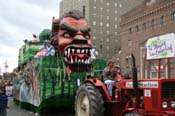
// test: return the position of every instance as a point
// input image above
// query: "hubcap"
(83, 105)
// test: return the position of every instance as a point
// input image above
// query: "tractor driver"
(109, 74)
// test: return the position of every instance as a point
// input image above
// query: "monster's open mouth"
(77, 56)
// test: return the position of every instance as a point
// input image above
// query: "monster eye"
(87, 36)
(66, 35)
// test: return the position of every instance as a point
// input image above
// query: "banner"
(161, 46)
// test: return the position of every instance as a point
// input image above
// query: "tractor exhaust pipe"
(134, 73)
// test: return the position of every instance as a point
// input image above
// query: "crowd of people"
(3, 96)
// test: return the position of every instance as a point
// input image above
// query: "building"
(67, 5)
(104, 18)
(151, 18)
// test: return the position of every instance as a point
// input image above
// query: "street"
(15, 110)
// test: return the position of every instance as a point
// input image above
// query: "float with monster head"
(44, 83)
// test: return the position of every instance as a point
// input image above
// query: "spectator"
(109, 76)
(35, 38)
(50, 50)
(3, 102)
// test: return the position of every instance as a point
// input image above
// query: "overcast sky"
(19, 19)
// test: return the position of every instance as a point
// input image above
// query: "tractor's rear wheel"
(89, 101)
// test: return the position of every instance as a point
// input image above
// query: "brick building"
(151, 18)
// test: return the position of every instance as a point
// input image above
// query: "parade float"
(44, 83)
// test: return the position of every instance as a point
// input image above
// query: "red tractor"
(131, 96)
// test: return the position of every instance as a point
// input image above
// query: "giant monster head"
(74, 42)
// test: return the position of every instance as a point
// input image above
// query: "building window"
(130, 30)
(144, 26)
(107, 39)
(120, 5)
(101, 8)
(152, 23)
(107, 25)
(101, 31)
(95, 7)
(115, 33)
(107, 4)
(137, 28)
(128, 61)
(107, 47)
(115, 18)
(162, 20)
(107, 17)
(107, 32)
(115, 26)
(115, 11)
(115, 4)
(94, 23)
(101, 24)
(94, 15)
(94, 38)
(173, 16)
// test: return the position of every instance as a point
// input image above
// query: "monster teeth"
(76, 59)
(82, 60)
(79, 60)
(86, 51)
(65, 53)
(73, 50)
(68, 52)
(71, 60)
(88, 61)
(78, 50)
(82, 51)
(65, 59)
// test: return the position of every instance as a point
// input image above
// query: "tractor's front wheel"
(89, 101)
(131, 114)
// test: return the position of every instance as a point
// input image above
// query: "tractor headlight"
(173, 104)
(164, 104)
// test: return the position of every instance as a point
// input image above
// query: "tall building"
(104, 18)
(151, 18)
(82, 5)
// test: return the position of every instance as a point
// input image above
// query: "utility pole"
(84, 10)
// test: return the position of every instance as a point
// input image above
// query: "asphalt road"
(15, 110)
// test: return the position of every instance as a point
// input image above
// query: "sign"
(147, 93)
(161, 46)
(146, 84)
(9, 90)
